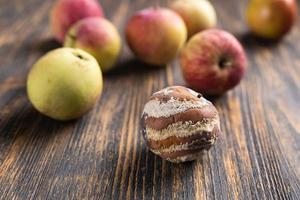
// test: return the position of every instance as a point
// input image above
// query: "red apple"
(156, 35)
(213, 61)
(97, 36)
(67, 12)
(271, 19)
(198, 15)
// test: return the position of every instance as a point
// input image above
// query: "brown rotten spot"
(176, 156)
(203, 136)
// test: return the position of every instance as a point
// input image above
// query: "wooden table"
(103, 156)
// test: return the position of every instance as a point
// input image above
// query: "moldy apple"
(178, 123)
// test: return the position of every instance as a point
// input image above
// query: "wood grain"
(103, 156)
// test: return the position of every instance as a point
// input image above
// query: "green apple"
(65, 83)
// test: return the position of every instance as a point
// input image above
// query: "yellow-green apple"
(156, 35)
(98, 37)
(213, 61)
(67, 12)
(198, 15)
(65, 83)
(271, 19)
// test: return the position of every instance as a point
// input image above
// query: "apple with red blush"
(67, 12)
(271, 19)
(213, 62)
(198, 15)
(97, 36)
(156, 35)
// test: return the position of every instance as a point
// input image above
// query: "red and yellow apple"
(98, 37)
(213, 61)
(198, 15)
(156, 35)
(67, 12)
(271, 19)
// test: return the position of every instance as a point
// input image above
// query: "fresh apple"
(156, 35)
(213, 61)
(65, 83)
(198, 15)
(271, 19)
(98, 37)
(67, 12)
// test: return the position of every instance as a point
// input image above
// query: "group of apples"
(66, 82)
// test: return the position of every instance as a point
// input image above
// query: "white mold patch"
(183, 129)
(157, 109)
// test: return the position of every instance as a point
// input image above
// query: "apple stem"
(79, 56)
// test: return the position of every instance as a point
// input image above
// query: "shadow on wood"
(132, 66)
(251, 41)
(28, 119)
(154, 172)
(46, 45)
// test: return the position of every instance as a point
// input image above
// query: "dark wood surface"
(103, 156)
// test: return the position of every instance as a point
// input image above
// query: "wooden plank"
(103, 156)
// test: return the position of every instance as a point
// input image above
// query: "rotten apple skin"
(271, 19)
(67, 12)
(65, 83)
(213, 61)
(156, 35)
(98, 37)
(197, 15)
